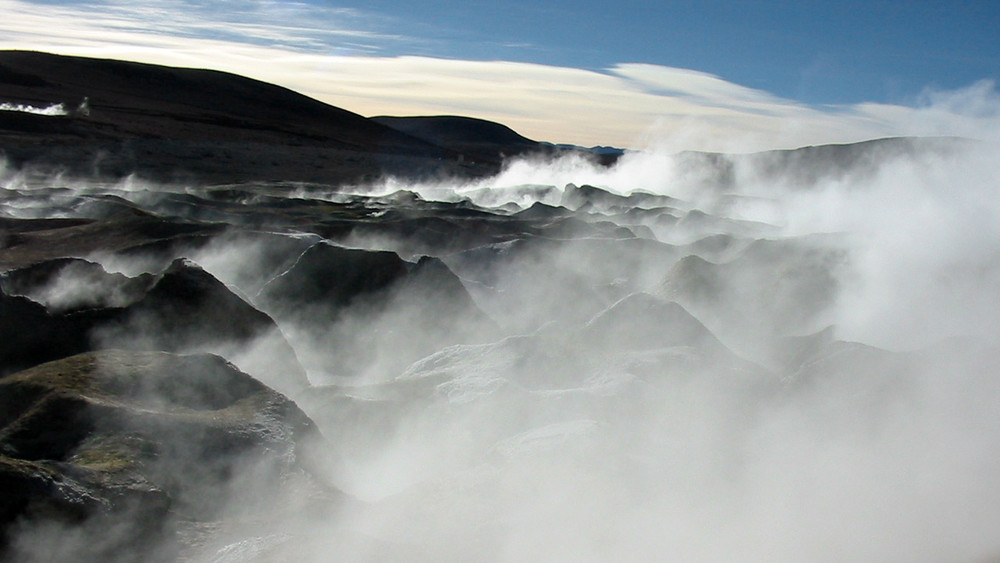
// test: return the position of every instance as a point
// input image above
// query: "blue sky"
(736, 75)
(813, 51)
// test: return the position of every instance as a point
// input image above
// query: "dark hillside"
(162, 121)
(485, 140)
(457, 132)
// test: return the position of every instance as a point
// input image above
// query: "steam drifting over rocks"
(781, 356)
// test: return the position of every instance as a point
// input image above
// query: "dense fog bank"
(781, 356)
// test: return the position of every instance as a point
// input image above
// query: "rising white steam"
(775, 357)
(550, 445)
(51, 110)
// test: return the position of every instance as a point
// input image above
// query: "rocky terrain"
(207, 355)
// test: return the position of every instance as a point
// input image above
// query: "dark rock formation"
(326, 275)
(182, 309)
(128, 443)
(29, 335)
(368, 308)
(641, 321)
(66, 284)
(30, 241)
(588, 198)
(775, 286)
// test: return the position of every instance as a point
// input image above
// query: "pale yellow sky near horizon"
(630, 105)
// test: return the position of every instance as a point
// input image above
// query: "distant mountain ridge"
(213, 126)
(446, 130)
(203, 126)
(487, 140)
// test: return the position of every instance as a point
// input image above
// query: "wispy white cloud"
(336, 55)
(292, 25)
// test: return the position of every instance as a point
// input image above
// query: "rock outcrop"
(128, 444)
(70, 306)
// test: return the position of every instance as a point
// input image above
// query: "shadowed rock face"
(28, 241)
(641, 321)
(327, 275)
(125, 442)
(66, 284)
(770, 287)
(187, 303)
(29, 335)
(73, 306)
(392, 311)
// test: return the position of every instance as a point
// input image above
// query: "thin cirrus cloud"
(293, 25)
(340, 56)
